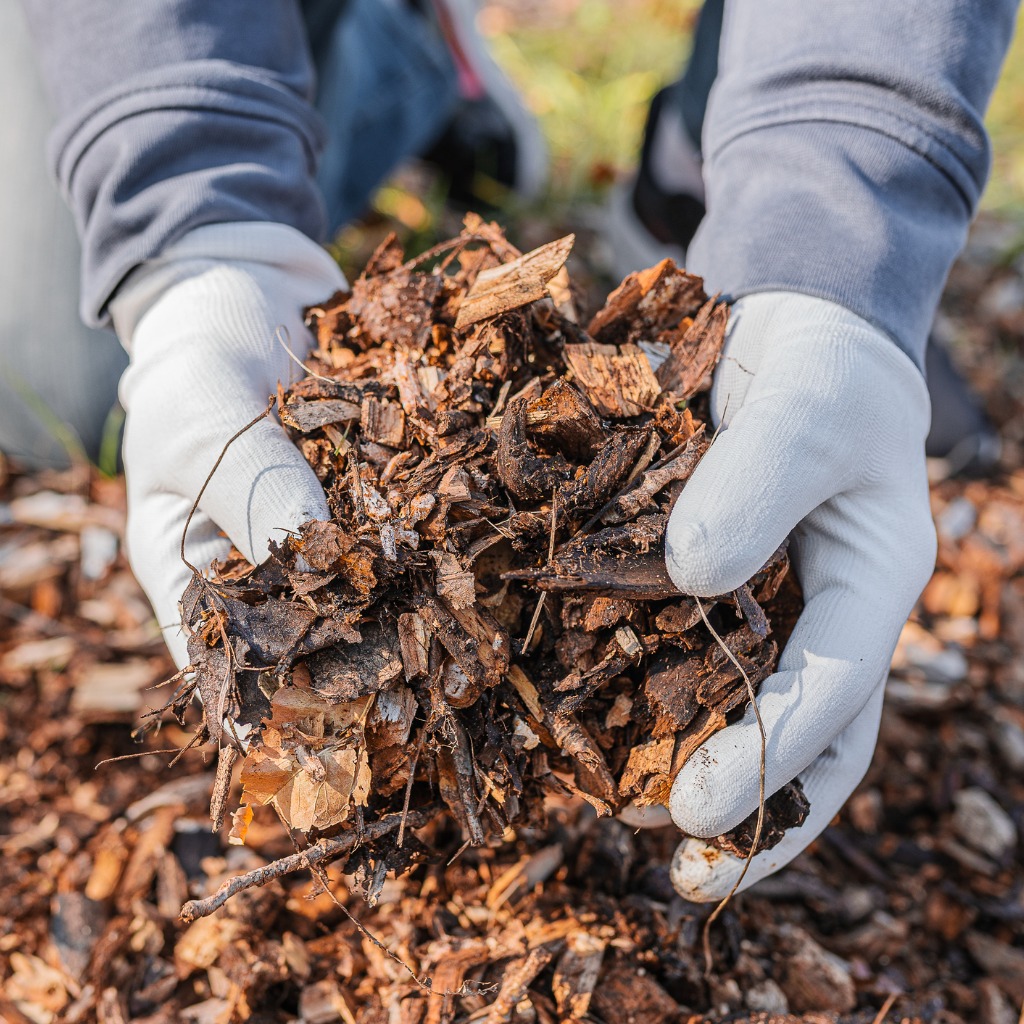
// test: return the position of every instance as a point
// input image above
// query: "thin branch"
(282, 337)
(180, 674)
(760, 797)
(551, 555)
(324, 881)
(888, 1005)
(455, 244)
(132, 757)
(318, 853)
(408, 786)
(198, 737)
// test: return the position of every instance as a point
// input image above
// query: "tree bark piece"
(513, 284)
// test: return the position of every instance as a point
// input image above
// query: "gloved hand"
(199, 324)
(824, 424)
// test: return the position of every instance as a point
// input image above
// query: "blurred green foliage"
(1005, 193)
(589, 67)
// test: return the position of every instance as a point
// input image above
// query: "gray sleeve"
(172, 114)
(845, 152)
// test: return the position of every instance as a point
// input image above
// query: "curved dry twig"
(318, 853)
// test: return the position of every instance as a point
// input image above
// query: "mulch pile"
(486, 619)
(916, 892)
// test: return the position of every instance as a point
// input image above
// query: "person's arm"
(172, 114)
(844, 159)
(186, 146)
(845, 154)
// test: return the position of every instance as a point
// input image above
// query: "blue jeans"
(387, 88)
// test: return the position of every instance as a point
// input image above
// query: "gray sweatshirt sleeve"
(845, 152)
(172, 114)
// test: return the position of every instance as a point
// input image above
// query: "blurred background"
(588, 69)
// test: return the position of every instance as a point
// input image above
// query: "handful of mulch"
(486, 618)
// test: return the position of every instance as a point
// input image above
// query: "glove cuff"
(303, 271)
(764, 324)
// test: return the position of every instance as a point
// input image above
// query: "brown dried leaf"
(241, 819)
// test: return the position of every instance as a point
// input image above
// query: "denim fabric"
(386, 91)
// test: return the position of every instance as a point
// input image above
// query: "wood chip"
(513, 284)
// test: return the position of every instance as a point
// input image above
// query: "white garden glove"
(824, 425)
(200, 324)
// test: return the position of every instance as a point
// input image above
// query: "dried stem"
(408, 787)
(133, 757)
(318, 853)
(324, 881)
(282, 337)
(551, 555)
(888, 1005)
(760, 796)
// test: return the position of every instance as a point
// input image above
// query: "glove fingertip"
(695, 802)
(701, 560)
(701, 873)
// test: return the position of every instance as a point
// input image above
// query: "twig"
(324, 881)
(318, 853)
(220, 458)
(551, 555)
(409, 785)
(887, 1006)
(280, 336)
(180, 674)
(708, 961)
(458, 853)
(132, 757)
(721, 422)
(197, 737)
(454, 244)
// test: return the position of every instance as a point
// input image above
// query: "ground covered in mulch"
(912, 902)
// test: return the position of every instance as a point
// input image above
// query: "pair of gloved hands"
(824, 424)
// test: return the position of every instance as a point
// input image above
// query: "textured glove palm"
(200, 324)
(824, 424)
